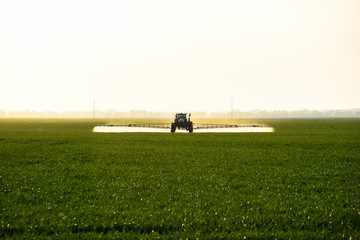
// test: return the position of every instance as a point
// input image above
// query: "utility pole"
(232, 108)
(94, 108)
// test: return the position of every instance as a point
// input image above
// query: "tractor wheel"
(173, 127)
(191, 129)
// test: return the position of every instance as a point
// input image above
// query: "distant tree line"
(304, 113)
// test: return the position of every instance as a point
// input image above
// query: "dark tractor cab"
(182, 122)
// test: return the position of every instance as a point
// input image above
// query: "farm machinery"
(181, 122)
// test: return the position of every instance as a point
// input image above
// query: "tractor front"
(181, 122)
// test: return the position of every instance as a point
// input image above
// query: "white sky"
(179, 55)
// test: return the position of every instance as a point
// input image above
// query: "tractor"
(181, 122)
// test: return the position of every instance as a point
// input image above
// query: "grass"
(60, 180)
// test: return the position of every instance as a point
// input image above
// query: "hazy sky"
(179, 55)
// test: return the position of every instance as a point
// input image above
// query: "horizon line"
(166, 111)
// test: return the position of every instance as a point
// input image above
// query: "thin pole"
(94, 108)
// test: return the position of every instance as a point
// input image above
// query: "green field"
(60, 180)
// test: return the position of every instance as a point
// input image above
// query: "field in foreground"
(60, 180)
